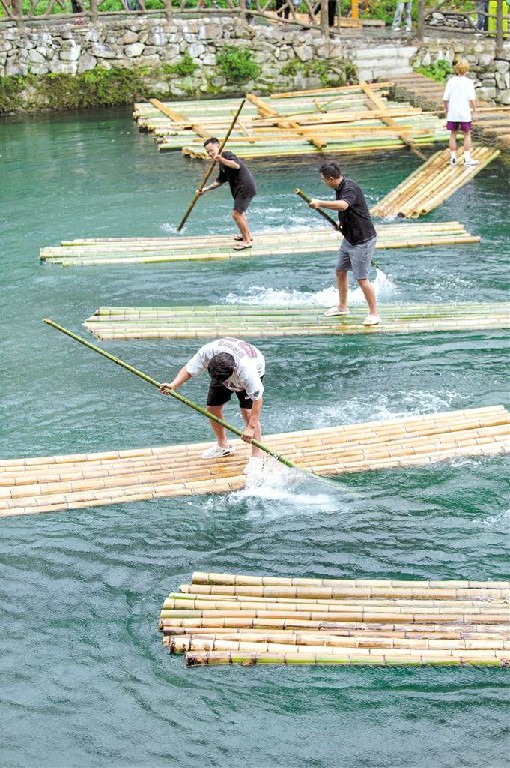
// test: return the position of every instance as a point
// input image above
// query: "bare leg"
(242, 222)
(219, 431)
(452, 143)
(342, 282)
(246, 413)
(467, 141)
(369, 294)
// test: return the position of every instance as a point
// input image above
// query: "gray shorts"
(356, 258)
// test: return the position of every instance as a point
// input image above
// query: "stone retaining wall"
(287, 58)
(491, 76)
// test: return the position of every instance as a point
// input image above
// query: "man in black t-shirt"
(242, 187)
(358, 244)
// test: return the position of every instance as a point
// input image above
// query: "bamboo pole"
(210, 169)
(186, 401)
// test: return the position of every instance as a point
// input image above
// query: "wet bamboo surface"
(215, 321)
(492, 123)
(155, 250)
(230, 618)
(432, 183)
(53, 483)
(333, 119)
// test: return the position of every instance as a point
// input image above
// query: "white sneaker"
(453, 161)
(254, 466)
(470, 162)
(217, 452)
(372, 320)
(409, 29)
(335, 312)
(395, 29)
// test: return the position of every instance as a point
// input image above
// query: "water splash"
(291, 490)
(170, 228)
(258, 294)
(498, 522)
(398, 404)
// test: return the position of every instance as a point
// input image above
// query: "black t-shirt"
(240, 179)
(355, 222)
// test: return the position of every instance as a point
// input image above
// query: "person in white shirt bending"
(459, 101)
(234, 366)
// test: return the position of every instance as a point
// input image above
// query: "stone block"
(102, 51)
(86, 62)
(502, 66)
(487, 93)
(502, 81)
(504, 97)
(39, 69)
(196, 50)
(129, 37)
(134, 50)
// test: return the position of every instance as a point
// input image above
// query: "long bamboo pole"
(210, 169)
(188, 402)
(329, 218)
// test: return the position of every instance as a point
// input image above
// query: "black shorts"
(242, 201)
(219, 395)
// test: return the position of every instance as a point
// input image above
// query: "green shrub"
(437, 71)
(186, 66)
(236, 65)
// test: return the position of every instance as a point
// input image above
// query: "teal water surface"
(84, 680)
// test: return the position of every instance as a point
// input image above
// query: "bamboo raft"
(431, 184)
(215, 321)
(356, 118)
(115, 251)
(492, 123)
(233, 619)
(53, 483)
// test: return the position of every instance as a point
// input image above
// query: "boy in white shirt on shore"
(459, 102)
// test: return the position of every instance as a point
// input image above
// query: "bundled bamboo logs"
(127, 323)
(337, 119)
(107, 251)
(52, 483)
(431, 184)
(227, 619)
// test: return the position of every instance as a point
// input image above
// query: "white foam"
(171, 228)
(397, 404)
(258, 294)
(499, 521)
(289, 492)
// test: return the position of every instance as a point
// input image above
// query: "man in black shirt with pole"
(359, 239)
(242, 187)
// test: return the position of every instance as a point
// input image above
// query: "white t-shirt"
(249, 365)
(459, 91)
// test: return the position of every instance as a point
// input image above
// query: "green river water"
(84, 680)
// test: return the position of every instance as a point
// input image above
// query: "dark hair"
(330, 170)
(211, 140)
(221, 366)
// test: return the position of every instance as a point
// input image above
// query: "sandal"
(242, 246)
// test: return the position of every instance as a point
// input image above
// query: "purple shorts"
(453, 125)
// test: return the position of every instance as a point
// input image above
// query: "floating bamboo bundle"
(52, 483)
(230, 618)
(334, 118)
(97, 252)
(431, 184)
(123, 323)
